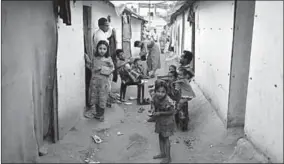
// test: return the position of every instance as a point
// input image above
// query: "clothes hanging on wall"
(65, 11)
(112, 51)
(190, 17)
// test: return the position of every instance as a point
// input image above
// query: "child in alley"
(102, 67)
(163, 113)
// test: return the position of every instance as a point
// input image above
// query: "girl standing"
(163, 113)
(102, 67)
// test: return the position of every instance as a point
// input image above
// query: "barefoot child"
(163, 113)
(102, 67)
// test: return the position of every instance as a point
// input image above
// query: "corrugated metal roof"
(133, 14)
(179, 8)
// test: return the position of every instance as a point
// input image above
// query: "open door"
(87, 28)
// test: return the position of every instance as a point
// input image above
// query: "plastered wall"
(71, 70)
(103, 9)
(264, 111)
(214, 36)
(28, 44)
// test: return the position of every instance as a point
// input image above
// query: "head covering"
(103, 21)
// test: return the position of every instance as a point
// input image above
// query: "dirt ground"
(206, 141)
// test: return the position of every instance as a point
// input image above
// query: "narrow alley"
(211, 71)
(207, 140)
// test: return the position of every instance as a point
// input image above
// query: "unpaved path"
(206, 141)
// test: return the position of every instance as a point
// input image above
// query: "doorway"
(87, 29)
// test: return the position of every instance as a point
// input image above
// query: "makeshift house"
(43, 71)
(231, 41)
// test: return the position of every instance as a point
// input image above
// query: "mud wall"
(103, 9)
(264, 111)
(214, 37)
(71, 70)
(28, 53)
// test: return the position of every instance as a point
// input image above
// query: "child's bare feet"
(159, 156)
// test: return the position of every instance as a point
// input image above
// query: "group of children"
(102, 68)
(169, 95)
(170, 98)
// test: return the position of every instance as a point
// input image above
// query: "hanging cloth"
(65, 11)
(112, 51)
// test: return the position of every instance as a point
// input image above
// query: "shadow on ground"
(127, 138)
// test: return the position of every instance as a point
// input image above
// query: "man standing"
(103, 33)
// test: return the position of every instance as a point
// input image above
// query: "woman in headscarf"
(153, 58)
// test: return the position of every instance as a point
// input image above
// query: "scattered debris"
(132, 143)
(102, 130)
(141, 110)
(119, 133)
(74, 129)
(90, 161)
(189, 142)
(132, 98)
(42, 151)
(97, 139)
(127, 103)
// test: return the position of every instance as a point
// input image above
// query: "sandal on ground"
(100, 118)
(159, 156)
(89, 115)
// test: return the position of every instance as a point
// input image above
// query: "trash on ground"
(119, 133)
(188, 143)
(43, 151)
(141, 110)
(102, 130)
(211, 146)
(131, 144)
(97, 139)
(132, 98)
(127, 103)
(90, 161)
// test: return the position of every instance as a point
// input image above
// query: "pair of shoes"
(89, 115)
